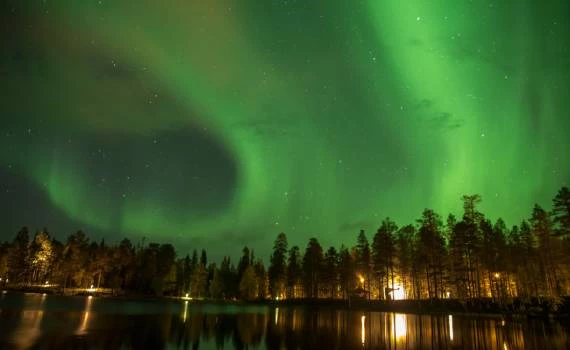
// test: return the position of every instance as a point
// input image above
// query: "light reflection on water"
(363, 329)
(80, 322)
(450, 318)
(85, 317)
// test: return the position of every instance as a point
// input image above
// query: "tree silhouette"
(278, 266)
(363, 260)
(312, 267)
(561, 212)
(468, 258)
(432, 252)
(294, 272)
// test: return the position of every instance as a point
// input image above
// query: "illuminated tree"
(499, 255)
(384, 254)
(405, 239)
(262, 279)
(248, 286)
(99, 262)
(74, 263)
(41, 256)
(363, 259)
(199, 282)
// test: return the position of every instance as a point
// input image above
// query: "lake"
(60, 322)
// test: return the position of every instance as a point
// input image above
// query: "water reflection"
(59, 322)
(276, 315)
(29, 326)
(185, 312)
(82, 329)
(399, 326)
(363, 330)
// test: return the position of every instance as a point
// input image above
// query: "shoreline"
(483, 307)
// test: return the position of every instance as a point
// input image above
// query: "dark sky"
(219, 124)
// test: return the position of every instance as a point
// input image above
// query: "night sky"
(221, 123)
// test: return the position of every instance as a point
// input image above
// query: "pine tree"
(203, 258)
(432, 252)
(244, 262)
(561, 212)
(217, 285)
(330, 272)
(363, 260)
(312, 268)
(294, 271)
(347, 271)
(384, 254)
(278, 266)
(548, 252)
(404, 242)
(41, 257)
(199, 282)
(18, 267)
(248, 286)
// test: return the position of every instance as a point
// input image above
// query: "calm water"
(55, 322)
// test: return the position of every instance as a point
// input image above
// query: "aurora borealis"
(221, 123)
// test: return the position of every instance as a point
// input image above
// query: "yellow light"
(363, 329)
(398, 293)
(497, 275)
(361, 279)
(276, 314)
(185, 310)
(451, 327)
(85, 321)
(399, 326)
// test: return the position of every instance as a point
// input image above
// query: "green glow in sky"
(222, 123)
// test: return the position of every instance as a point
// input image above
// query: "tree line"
(466, 258)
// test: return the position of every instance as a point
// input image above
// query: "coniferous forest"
(433, 258)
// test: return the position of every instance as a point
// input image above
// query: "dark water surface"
(55, 322)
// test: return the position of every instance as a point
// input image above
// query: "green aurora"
(221, 123)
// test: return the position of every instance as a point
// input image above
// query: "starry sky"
(221, 123)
